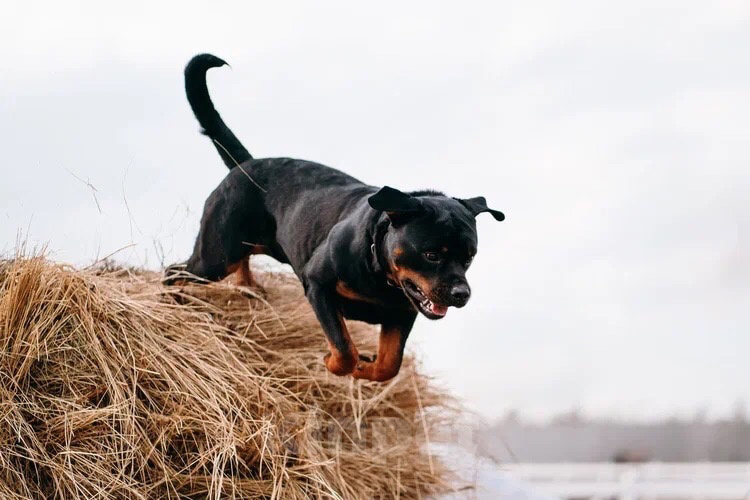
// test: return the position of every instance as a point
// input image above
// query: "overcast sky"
(613, 135)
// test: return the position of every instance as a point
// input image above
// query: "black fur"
(229, 147)
(334, 231)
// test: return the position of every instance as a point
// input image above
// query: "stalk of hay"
(112, 385)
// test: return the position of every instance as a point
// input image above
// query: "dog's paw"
(174, 275)
(338, 364)
(374, 371)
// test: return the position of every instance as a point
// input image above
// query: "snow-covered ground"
(652, 480)
(482, 479)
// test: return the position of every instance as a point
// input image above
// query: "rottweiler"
(376, 255)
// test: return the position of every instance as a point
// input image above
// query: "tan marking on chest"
(343, 290)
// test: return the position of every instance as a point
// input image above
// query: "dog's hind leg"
(234, 221)
(244, 276)
(243, 273)
(219, 248)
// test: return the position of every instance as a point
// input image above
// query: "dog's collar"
(375, 256)
(378, 259)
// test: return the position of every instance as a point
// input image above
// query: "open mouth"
(422, 303)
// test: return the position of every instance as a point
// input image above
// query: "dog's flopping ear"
(399, 206)
(478, 205)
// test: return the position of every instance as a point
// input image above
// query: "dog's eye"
(432, 256)
(468, 262)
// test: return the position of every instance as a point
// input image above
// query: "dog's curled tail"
(229, 147)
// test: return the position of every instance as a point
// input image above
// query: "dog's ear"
(399, 206)
(478, 205)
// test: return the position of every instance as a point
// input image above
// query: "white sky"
(613, 135)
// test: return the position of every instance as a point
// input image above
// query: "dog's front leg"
(387, 361)
(343, 356)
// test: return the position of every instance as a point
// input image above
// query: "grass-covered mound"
(112, 385)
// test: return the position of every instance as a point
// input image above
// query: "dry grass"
(113, 386)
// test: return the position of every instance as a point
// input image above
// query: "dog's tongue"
(439, 310)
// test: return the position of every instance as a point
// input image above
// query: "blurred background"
(614, 136)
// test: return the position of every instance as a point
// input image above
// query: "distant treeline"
(573, 438)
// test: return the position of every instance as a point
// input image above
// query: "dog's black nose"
(460, 294)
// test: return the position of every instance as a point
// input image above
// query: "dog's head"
(430, 243)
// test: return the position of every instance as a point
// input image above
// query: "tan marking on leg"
(245, 277)
(388, 362)
(242, 276)
(341, 363)
(256, 249)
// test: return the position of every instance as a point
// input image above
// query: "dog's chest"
(370, 308)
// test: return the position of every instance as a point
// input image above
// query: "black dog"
(376, 255)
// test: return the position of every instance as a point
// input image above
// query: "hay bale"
(112, 385)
